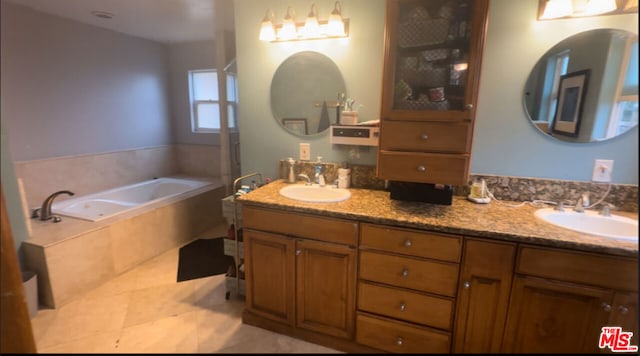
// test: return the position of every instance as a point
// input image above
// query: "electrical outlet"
(602, 170)
(305, 151)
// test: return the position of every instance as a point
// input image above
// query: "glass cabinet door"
(432, 58)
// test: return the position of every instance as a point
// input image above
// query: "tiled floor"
(146, 311)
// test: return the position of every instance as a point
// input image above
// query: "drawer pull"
(424, 136)
(407, 243)
(298, 252)
(402, 307)
(405, 272)
(422, 168)
(466, 285)
(399, 341)
(623, 310)
(606, 306)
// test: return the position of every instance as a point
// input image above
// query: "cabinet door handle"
(402, 307)
(606, 306)
(424, 136)
(466, 285)
(405, 272)
(421, 168)
(399, 341)
(298, 252)
(623, 309)
(407, 243)
(468, 106)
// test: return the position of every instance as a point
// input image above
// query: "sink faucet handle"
(35, 213)
(585, 199)
(606, 209)
(559, 206)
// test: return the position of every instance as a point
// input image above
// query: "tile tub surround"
(75, 255)
(493, 220)
(90, 173)
(623, 196)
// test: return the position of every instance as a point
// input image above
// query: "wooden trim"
(16, 334)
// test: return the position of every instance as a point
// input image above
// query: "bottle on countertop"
(291, 177)
(319, 172)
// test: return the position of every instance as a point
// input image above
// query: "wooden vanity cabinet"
(483, 296)
(561, 299)
(407, 283)
(301, 270)
(432, 58)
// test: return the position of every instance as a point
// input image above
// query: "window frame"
(194, 104)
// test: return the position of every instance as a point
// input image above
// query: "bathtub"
(110, 232)
(108, 203)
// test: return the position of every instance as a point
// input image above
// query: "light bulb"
(267, 31)
(336, 25)
(311, 25)
(557, 8)
(288, 30)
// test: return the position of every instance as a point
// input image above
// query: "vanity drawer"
(393, 336)
(406, 305)
(413, 273)
(411, 242)
(436, 168)
(451, 137)
(580, 267)
(301, 225)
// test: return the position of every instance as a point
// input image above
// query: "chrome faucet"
(302, 175)
(45, 210)
(582, 203)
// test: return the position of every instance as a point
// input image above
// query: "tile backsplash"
(623, 196)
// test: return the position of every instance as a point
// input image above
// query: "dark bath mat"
(203, 258)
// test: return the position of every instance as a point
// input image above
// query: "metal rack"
(235, 284)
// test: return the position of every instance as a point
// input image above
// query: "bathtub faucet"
(45, 210)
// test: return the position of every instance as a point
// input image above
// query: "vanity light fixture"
(555, 9)
(312, 28)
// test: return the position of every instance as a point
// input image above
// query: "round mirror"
(585, 88)
(305, 93)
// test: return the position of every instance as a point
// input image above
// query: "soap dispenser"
(291, 175)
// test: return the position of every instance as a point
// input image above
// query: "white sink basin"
(590, 222)
(315, 193)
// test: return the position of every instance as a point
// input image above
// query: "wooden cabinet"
(561, 300)
(483, 296)
(301, 270)
(363, 287)
(433, 51)
(407, 283)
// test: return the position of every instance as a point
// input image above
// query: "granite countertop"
(496, 220)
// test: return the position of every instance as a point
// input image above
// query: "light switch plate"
(602, 170)
(305, 151)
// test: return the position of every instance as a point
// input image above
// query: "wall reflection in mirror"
(585, 88)
(307, 91)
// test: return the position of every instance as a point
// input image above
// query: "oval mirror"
(585, 88)
(305, 93)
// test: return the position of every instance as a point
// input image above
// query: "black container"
(421, 192)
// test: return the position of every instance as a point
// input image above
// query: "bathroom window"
(204, 98)
(625, 107)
